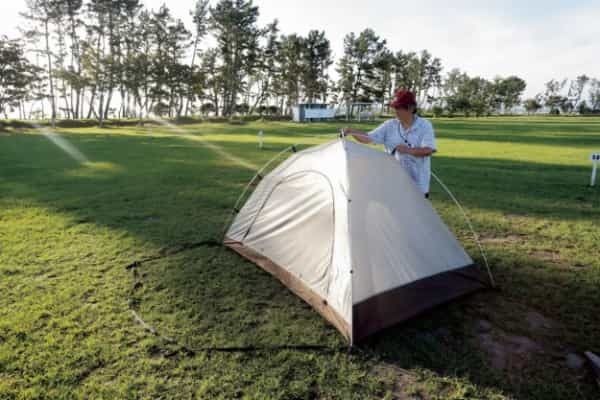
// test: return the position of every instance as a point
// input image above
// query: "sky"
(536, 40)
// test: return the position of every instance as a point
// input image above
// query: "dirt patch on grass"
(554, 258)
(502, 239)
(547, 255)
(399, 383)
(520, 342)
(508, 352)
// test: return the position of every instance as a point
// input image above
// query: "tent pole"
(475, 235)
(258, 174)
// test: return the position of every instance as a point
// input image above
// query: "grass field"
(68, 230)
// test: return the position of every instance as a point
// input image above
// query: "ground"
(112, 287)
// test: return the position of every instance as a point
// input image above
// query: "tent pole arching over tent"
(257, 176)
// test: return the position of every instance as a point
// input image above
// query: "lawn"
(88, 250)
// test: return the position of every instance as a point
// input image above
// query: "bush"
(437, 111)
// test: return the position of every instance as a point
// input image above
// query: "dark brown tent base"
(383, 310)
(397, 305)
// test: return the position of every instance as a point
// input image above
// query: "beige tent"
(344, 227)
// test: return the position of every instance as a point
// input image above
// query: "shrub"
(437, 111)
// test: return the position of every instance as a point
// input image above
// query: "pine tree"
(316, 62)
(233, 23)
(41, 14)
(200, 19)
(17, 76)
(356, 67)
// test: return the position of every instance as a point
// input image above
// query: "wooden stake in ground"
(595, 158)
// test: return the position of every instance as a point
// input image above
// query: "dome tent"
(344, 227)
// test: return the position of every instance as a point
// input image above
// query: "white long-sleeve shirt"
(420, 134)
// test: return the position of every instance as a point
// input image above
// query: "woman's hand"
(360, 136)
(403, 149)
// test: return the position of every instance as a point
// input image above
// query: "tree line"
(568, 96)
(115, 58)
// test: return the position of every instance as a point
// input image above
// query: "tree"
(553, 98)
(469, 95)
(71, 9)
(509, 91)
(482, 95)
(178, 72)
(418, 73)
(454, 96)
(595, 94)
(382, 84)
(576, 90)
(402, 68)
(95, 62)
(316, 57)
(41, 14)
(233, 23)
(213, 78)
(356, 67)
(532, 105)
(291, 68)
(131, 14)
(200, 19)
(583, 108)
(263, 81)
(138, 66)
(17, 75)
(169, 76)
(207, 108)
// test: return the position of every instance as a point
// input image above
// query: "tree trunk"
(187, 103)
(74, 54)
(259, 99)
(66, 100)
(52, 100)
(107, 107)
(99, 80)
(91, 103)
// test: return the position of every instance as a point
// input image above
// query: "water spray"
(217, 149)
(61, 143)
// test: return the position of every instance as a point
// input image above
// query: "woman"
(408, 137)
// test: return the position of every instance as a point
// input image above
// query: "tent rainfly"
(344, 227)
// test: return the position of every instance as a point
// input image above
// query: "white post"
(595, 158)
(260, 139)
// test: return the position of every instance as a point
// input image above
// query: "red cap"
(404, 99)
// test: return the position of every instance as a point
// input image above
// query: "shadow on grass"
(520, 187)
(533, 132)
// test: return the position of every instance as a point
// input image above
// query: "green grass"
(68, 231)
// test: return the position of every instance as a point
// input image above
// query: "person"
(408, 137)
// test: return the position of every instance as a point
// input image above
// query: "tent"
(344, 227)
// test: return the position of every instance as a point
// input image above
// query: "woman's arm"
(360, 136)
(415, 151)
